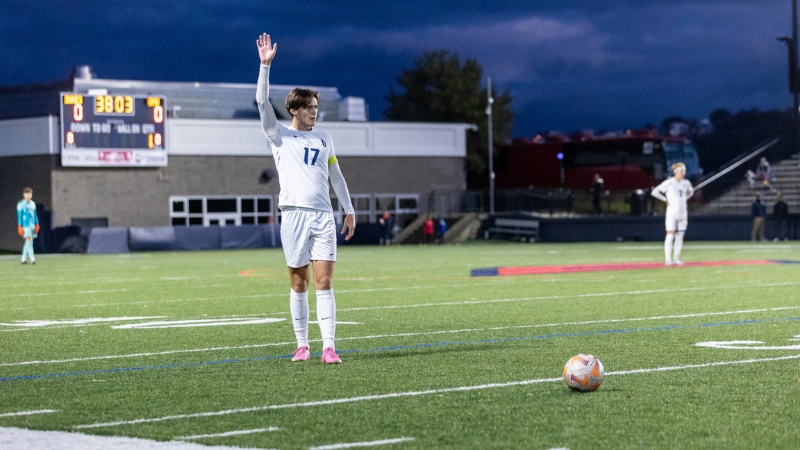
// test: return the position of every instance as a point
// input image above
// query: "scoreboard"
(113, 130)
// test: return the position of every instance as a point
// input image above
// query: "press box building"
(148, 154)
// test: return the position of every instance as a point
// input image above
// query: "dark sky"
(568, 64)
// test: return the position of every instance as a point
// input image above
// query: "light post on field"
(491, 144)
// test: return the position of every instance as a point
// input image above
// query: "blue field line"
(395, 347)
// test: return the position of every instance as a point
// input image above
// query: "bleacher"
(739, 199)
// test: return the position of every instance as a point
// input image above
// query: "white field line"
(29, 413)
(557, 297)
(67, 283)
(47, 323)
(418, 393)
(21, 438)
(208, 323)
(382, 336)
(362, 444)
(195, 323)
(440, 286)
(227, 433)
(106, 291)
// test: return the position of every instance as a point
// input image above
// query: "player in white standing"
(675, 191)
(305, 159)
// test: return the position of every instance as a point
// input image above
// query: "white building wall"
(31, 136)
(244, 137)
(207, 137)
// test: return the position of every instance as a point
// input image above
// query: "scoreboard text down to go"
(133, 122)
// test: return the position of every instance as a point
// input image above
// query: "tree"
(439, 89)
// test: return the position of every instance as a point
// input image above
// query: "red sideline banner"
(576, 268)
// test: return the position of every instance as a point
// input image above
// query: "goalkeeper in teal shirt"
(27, 224)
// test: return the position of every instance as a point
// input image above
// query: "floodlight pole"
(794, 74)
(490, 100)
(794, 70)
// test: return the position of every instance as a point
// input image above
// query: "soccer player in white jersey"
(675, 191)
(305, 159)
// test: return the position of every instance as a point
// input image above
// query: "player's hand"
(20, 231)
(667, 202)
(37, 229)
(266, 49)
(349, 226)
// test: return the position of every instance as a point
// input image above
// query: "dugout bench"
(516, 227)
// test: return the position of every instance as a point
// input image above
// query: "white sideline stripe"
(362, 444)
(440, 286)
(557, 297)
(195, 323)
(106, 291)
(29, 413)
(227, 433)
(418, 393)
(381, 336)
(46, 323)
(20, 438)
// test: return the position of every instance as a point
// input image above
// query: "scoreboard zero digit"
(113, 130)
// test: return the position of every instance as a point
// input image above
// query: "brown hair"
(27, 190)
(300, 98)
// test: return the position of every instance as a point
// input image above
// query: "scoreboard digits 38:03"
(110, 129)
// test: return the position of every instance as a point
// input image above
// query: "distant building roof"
(186, 100)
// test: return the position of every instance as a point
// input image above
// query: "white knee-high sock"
(30, 250)
(678, 245)
(668, 247)
(298, 305)
(326, 316)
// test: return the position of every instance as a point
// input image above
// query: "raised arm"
(266, 51)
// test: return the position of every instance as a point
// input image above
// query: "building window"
(221, 210)
(262, 209)
(404, 208)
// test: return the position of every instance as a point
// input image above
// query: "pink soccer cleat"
(301, 354)
(329, 356)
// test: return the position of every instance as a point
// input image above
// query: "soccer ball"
(583, 373)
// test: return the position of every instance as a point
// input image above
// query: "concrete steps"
(739, 199)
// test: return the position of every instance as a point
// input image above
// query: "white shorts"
(307, 235)
(676, 222)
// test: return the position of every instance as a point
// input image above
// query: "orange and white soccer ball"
(583, 373)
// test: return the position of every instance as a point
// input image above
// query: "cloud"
(509, 49)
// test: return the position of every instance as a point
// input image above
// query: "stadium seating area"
(739, 199)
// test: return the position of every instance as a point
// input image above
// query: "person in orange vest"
(427, 229)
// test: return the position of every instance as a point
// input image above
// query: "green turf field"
(178, 346)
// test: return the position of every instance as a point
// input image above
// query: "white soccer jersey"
(302, 159)
(675, 193)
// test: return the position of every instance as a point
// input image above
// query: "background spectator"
(442, 229)
(780, 213)
(427, 229)
(597, 192)
(758, 212)
(387, 225)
